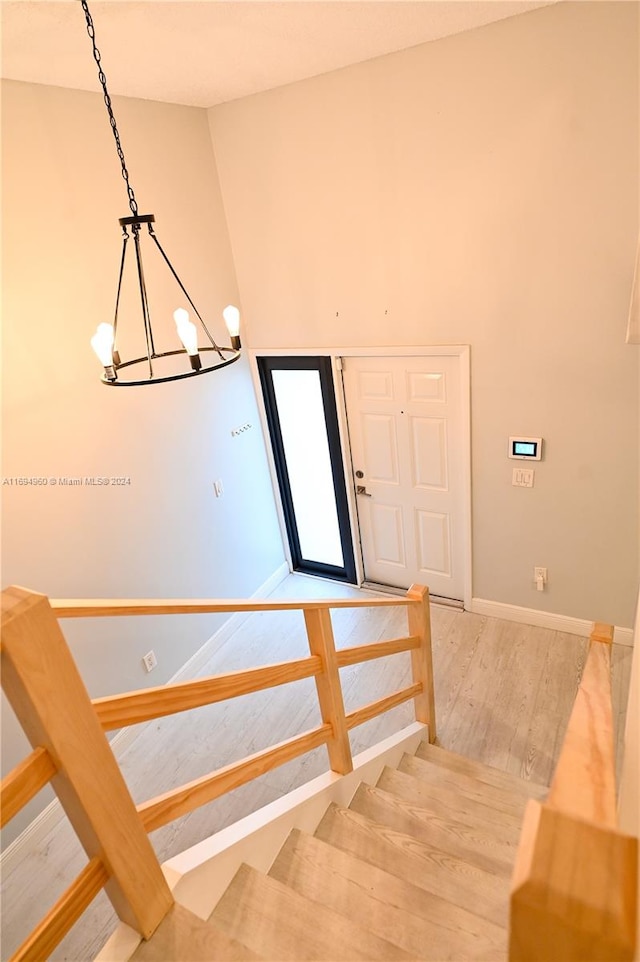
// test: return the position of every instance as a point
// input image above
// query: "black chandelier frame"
(222, 356)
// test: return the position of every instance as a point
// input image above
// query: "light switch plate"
(523, 477)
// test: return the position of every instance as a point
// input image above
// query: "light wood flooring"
(503, 694)
(417, 869)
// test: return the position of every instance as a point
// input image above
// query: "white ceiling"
(210, 51)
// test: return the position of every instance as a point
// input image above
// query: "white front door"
(406, 435)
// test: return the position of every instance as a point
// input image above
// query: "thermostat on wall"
(525, 449)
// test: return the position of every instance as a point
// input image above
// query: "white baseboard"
(545, 619)
(36, 831)
(199, 876)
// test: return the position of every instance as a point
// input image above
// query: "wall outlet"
(540, 578)
(150, 661)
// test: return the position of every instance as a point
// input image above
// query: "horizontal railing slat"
(378, 649)
(109, 607)
(374, 708)
(180, 801)
(117, 711)
(24, 781)
(62, 916)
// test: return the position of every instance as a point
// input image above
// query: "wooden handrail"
(165, 808)
(584, 782)
(24, 781)
(62, 916)
(89, 784)
(45, 690)
(112, 607)
(378, 649)
(132, 708)
(118, 711)
(379, 707)
(573, 893)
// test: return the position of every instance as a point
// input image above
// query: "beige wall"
(481, 189)
(165, 534)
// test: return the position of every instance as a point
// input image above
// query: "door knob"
(360, 489)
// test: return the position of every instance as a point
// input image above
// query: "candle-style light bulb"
(188, 334)
(231, 316)
(102, 344)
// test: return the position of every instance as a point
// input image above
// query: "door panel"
(429, 452)
(376, 385)
(388, 534)
(425, 387)
(434, 543)
(381, 448)
(405, 429)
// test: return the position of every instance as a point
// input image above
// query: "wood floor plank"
(474, 844)
(499, 798)
(483, 773)
(279, 924)
(182, 935)
(424, 925)
(454, 655)
(445, 801)
(424, 865)
(558, 683)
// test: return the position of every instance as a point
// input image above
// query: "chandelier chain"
(133, 204)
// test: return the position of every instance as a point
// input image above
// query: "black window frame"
(322, 364)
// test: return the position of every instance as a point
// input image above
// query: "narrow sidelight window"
(303, 425)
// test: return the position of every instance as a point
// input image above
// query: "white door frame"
(462, 351)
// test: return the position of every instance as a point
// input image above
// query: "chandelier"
(154, 365)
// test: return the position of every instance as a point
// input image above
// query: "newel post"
(321, 643)
(419, 618)
(574, 886)
(573, 891)
(48, 695)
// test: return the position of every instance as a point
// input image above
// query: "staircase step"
(484, 773)
(499, 798)
(424, 925)
(446, 802)
(279, 924)
(476, 845)
(182, 935)
(426, 866)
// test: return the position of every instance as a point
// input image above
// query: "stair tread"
(501, 799)
(473, 843)
(182, 935)
(446, 801)
(423, 924)
(280, 924)
(485, 773)
(427, 866)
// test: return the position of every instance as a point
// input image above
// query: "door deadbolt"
(359, 474)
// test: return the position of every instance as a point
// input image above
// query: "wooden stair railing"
(45, 689)
(67, 729)
(574, 888)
